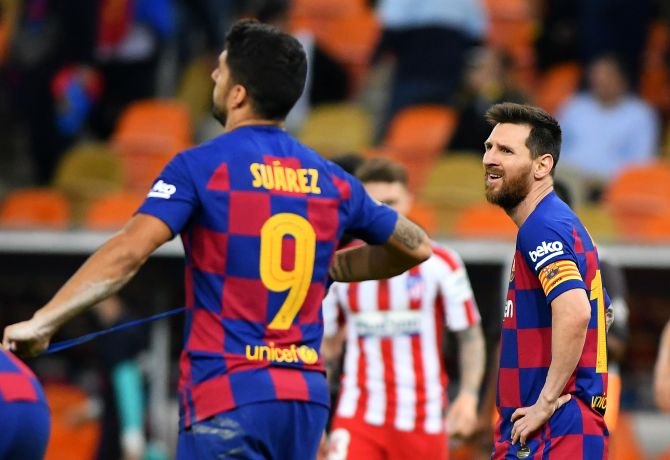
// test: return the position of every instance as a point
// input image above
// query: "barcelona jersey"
(554, 254)
(260, 216)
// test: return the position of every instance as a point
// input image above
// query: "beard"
(513, 190)
(219, 114)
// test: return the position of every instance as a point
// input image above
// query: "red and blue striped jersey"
(554, 254)
(17, 381)
(260, 216)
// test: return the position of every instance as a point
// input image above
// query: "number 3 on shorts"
(273, 275)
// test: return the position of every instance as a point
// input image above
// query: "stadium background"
(95, 96)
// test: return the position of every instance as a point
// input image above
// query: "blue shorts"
(276, 430)
(24, 430)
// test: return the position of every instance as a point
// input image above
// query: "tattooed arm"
(102, 275)
(408, 246)
(462, 417)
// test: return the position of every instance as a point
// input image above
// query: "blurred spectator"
(606, 128)
(582, 30)
(615, 26)
(327, 79)
(429, 40)
(122, 386)
(486, 83)
(49, 34)
(128, 47)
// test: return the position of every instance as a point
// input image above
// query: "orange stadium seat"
(556, 86)
(351, 40)
(421, 128)
(424, 216)
(45, 208)
(484, 221)
(112, 211)
(655, 77)
(69, 440)
(144, 156)
(155, 117)
(147, 136)
(638, 196)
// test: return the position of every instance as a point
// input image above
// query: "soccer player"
(392, 398)
(552, 381)
(260, 216)
(24, 414)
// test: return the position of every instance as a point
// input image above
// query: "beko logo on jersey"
(546, 251)
(162, 190)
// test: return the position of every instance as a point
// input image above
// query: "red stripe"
(446, 257)
(389, 379)
(415, 301)
(352, 294)
(440, 324)
(470, 312)
(361, 380)
(383, 296)
(420, 383)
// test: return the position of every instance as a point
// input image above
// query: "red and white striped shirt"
(393, 368)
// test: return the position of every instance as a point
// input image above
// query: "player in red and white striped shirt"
(392, 399)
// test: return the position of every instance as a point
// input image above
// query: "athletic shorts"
(277, 430)
(24, 430)
(355, 439)
(574, 432)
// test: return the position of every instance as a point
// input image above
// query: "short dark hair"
(382, 170)
(270, 64)
(545, 132)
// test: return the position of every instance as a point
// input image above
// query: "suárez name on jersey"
(162, 190)
(551, 249)
(285, 179)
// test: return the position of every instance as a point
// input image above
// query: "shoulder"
(636, 106)
(551, 221)
(444, 258)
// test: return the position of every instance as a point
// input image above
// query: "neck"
(235, 121)
(521, 212)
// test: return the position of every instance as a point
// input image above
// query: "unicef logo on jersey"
(162, 190)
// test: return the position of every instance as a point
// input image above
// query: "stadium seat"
(337, 128)
(112, 211)
(484, 220)
(655, 75)
(157, 118)
(87, 171)
(144, 156)
(424, 216)
(67, 439)
(556, 86)
(421, 128)
(35, 208)
(638, 196)
(351, 40)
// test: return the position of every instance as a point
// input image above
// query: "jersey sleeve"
(330, 312)
(173, 198)
(548, 248)
(460, 310)
(367, 219)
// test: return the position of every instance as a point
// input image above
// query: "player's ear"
(543, 166)
(238, 95)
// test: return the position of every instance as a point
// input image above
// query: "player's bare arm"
(407, 246)
(662, 372)
(462, 417)
(103, 274)
(570, 314)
